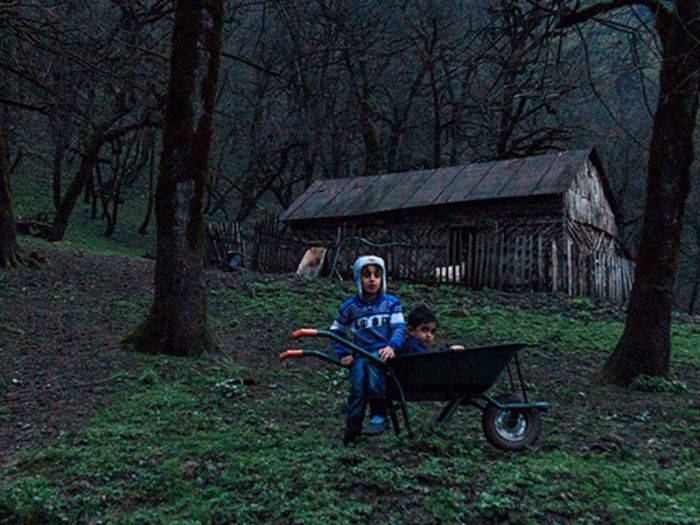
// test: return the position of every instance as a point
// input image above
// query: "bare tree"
(645, 345)
(92, 70)
(513, 83)
(177, 322)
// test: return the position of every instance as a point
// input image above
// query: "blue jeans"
(367, 385)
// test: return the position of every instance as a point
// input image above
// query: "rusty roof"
(541, 175)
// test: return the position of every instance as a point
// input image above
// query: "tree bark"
(177, 322)
(8, 235)
(645, 346)
(149, 209)
(694, 293)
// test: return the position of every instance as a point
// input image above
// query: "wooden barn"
(543, 223)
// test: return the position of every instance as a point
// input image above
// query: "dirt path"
(60, 325)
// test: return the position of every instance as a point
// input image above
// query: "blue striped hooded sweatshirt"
(373, 324)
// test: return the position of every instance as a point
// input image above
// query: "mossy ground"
(237, 437)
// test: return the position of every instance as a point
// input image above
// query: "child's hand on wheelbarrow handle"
(386, 353)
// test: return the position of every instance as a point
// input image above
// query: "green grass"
(179, 452)
(233, 439)
(188, 442)
(32, 196)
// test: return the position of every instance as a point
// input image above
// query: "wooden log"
(540, 261)
(482, 258)
(569, 270)
(470, 258)
(555, 266)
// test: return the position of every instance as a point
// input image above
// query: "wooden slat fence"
(546, 257)
(223, 237)
(265, 246)
(274, 249)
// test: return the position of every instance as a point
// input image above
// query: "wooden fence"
(546, 256)
(265, 246)
(275, 250)
(222, 239)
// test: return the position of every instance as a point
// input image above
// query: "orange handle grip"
(304, 331)
(290, 353)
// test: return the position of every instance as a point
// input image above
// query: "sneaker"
(375, 429)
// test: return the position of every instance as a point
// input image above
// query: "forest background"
(323, 89)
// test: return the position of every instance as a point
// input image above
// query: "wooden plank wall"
(547, 257)
(411, 254)
(512, 258)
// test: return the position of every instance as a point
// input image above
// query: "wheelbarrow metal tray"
(470, 372)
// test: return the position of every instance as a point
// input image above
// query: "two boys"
(376, 322)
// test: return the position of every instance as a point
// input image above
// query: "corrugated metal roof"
(541, 175)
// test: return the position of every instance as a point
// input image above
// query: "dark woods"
(325, 89)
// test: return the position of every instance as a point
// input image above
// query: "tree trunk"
(87, 164)
(8, 236)
(370, 137)
(694, 293)
(645, 345)
(56, 174)
(177, 322)
(67, 203)
(149, 209)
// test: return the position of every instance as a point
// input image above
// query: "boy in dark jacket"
(422, 325)
(376, 322)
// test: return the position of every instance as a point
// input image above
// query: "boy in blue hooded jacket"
(376, 322)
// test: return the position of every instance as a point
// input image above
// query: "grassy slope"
(237, 438)
(191, 442)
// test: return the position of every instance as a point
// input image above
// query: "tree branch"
(575, 17)
(23, 105)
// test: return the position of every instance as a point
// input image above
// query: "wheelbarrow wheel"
(511, 429)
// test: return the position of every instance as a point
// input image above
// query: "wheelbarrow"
(509, 421)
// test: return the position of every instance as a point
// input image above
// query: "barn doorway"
(461, 254)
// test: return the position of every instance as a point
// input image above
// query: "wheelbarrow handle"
(335, 337)
(304, 331)
(308, 353)
(290, 353)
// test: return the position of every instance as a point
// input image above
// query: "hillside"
(90, 433)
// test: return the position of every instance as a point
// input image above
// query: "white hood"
(366, 260)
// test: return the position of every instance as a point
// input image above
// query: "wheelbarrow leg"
(402, 400)
(404, 409)
(394, 418)
(449, 410)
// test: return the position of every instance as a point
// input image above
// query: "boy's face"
(424, 332)
(371, 278)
